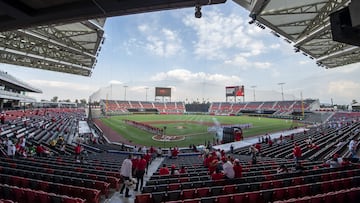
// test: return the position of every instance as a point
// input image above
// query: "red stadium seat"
(224, 199)
(305, 190)
(279, 194)
(143, 198)
(30, 195)
(254, 197)
(188, 193)
(240, 197)
(293, 192)
(202, 192)
(265, 185)
(174, 186)
(229, 189)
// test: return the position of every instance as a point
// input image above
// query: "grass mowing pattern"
(194, 127)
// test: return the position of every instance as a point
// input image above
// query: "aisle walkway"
(119, 198)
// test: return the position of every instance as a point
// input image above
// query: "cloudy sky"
(197, 58)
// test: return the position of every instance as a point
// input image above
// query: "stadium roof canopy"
(14, 83)
(305, 24)
(58, 35)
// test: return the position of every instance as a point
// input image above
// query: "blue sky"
(197, 58)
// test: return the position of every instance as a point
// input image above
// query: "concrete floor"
(116, 197)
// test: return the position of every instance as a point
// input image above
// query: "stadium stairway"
(119, 198)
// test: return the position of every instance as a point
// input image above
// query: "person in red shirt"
(297, 152)
(140, 171)
(174, 153)
(152, 150)
(213, 164)
(237, 169)
(217, 175)
(134, 161)
(182, 170)
(258, 147)
(147, 157)
(164, 170)
(270, 143)
(77, 152)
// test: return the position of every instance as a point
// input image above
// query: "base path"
(112, 135)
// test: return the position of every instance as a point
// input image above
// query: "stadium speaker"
(228, 135)
(345, 24)
(228, 130)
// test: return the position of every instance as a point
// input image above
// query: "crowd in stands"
(40, 165)
(116, 106)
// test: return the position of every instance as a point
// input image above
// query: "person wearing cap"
(237, 169)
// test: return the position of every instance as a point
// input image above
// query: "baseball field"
(183, 130)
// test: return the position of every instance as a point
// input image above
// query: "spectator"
(299, 168)
(232, 149)
(11, 149)
(182, 170)
(140, 171)
(270, 143)
(174, 171)
(282, 169)
(297, 152)
(164, 170)
(147, 157)
(40, 151)
(134, 161)
(333, 162)
(237, 168)
(144, 149)
(258, 147)
(174, 153)
(217, 175)
(352, 148)
(228, 169)
(126, 174)
(77, 151)
(159, 152)
(345, 162)
(63, 149)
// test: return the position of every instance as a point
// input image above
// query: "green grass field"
(193, 127)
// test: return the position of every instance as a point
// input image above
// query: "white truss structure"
(70, 48)
(306, 24)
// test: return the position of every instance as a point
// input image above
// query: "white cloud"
(275, 46)
(218, 35)
(59, 84)
(344, 88)
(116, 82)
(240, 61)
(303, 62)
(184, 75)
(163, 43)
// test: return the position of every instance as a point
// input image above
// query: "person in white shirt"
(144, 149)
(126, 173)
(228, 169)
(11, 150)
(352, 148)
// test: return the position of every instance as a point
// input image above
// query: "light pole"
(282, 90)
(254, 86)
(146, 88)
(125, 86)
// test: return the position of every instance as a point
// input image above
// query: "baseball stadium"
(197, 137)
